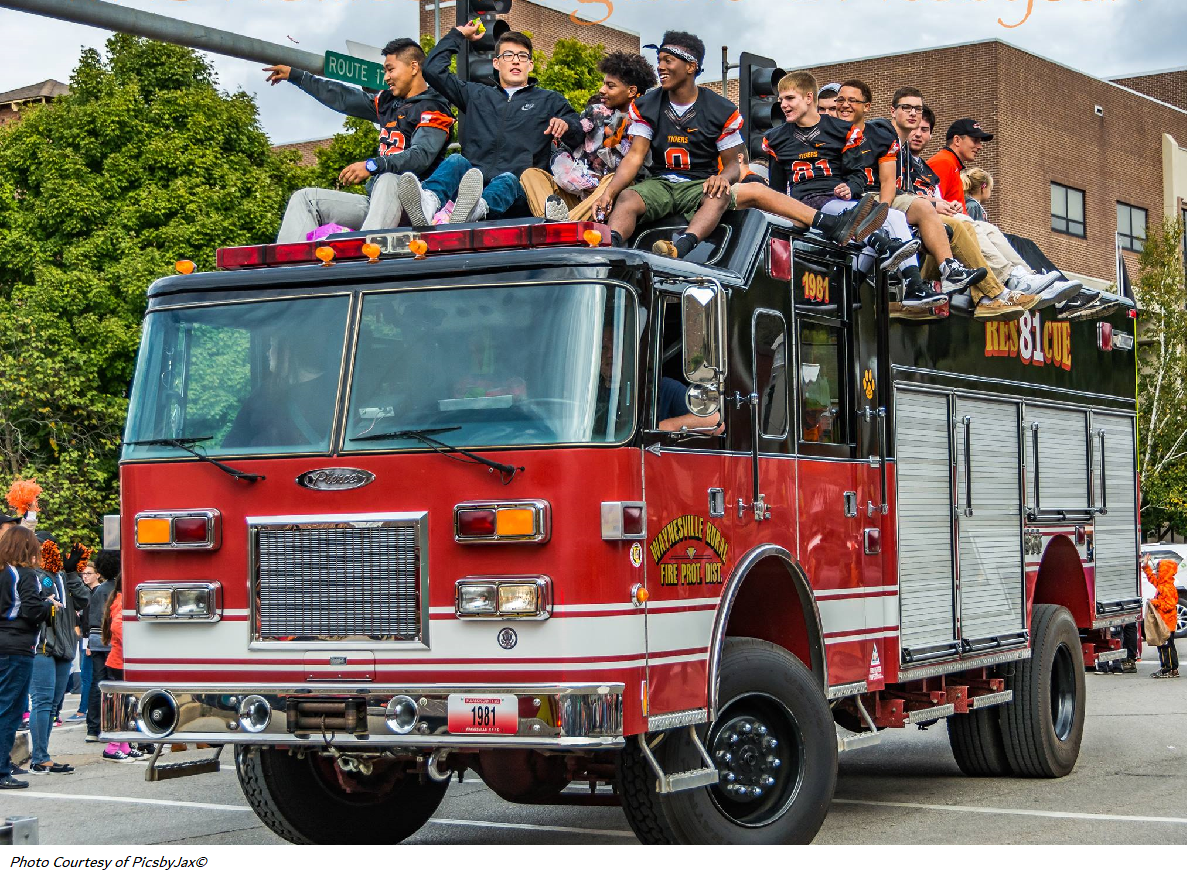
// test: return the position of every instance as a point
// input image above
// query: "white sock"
(480, 211)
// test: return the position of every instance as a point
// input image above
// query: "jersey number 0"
(677, 159)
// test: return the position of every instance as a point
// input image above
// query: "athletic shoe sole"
(901, 255)
(855, 223)
(469, 192)
(1040, 282)
(910, 311)
(408, 189)
(555, 209)
(1010, 313)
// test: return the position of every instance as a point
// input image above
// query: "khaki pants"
(538, 185)
(967, 250)
(1001, 257)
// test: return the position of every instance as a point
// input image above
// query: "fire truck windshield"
(516, 365)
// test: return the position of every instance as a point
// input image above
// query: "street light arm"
(111, 16)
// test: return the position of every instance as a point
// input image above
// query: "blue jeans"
(503, 194)
(15, 671)
(47, 689)
(84, 689)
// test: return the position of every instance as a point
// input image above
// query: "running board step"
(666, 784)
(176, 770)
(857, 741)
(991, 700)
(1110, 655)
(915, 717)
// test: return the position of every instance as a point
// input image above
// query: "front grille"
(338, 581)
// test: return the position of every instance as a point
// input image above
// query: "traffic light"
(475, 63)
(758, 99)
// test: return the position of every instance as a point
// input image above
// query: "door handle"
(850, 505)
(968, 466)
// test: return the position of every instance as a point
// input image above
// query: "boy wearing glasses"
(882, 154)
(694, 138)
(509, 128)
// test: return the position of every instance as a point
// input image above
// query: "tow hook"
(351, 765)
(434, 770)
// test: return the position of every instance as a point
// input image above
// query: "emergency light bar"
(400, 244)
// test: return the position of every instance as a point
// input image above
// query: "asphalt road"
(1130, 787)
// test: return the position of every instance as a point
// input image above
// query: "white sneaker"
(1028, 282)
(419, 205)
(1059, 292)
(469, 196)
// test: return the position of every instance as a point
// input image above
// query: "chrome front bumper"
(558, 717)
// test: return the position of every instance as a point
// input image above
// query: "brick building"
(1060, 135)
(13, 102)
(544, 22)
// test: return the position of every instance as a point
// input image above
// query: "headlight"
(513, 598)
(477, 600)
(154, 602)
(194, 601)
(518, 599)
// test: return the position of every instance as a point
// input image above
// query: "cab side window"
(770, 372)
(821, 384)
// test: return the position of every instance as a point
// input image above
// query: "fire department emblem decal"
(875, 667)
(690, 551)
(867, 382)
(637, 554)
(508, 638)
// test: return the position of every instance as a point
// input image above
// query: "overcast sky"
(1101, 37)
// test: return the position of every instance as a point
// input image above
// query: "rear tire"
(1044, 724)
(977, 743)
(299, 800)
(776, 726)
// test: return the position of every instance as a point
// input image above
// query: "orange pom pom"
(22, 496)
(51, 557)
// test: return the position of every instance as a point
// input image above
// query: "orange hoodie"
(1166, 600)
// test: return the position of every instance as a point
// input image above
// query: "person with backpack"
(23, 609)
(54, 650)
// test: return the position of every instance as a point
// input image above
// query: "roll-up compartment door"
(926, 585)
(989, 513)
(1116, 529)
(1060, 478)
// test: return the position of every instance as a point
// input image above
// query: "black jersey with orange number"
(399, 120)
(816, 159)
(686, 146)
(880, 143)
(923, 179)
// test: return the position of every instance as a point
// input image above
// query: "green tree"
(145, 162)
(572, 70)
(1162, 378)
(357, 141)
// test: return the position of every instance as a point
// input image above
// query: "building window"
(1067, 210)
(1131, 227)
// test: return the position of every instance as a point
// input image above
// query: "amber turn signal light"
(371, 250)
(185, 267)
(325, 254)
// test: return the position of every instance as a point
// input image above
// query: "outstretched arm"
(338, 96)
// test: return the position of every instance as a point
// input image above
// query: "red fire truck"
(502, 498)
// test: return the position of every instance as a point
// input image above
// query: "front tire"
(775, 745)
(1044, 724)
(300, 799)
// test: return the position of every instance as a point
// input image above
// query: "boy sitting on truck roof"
(414, 121)
(579, 176)
(691, 133)
(509, 128)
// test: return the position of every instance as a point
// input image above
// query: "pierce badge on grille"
(335, 479)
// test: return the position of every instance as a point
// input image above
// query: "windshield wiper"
(186, 444)
(424, 436)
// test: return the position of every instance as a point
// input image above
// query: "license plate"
(483, 714)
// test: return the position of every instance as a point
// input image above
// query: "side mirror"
(703, 315)
(703, 400)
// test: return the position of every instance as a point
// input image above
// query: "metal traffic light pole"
(111, 16)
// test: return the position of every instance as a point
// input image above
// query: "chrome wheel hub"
(747, 756)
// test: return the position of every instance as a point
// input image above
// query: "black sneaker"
(855, 224)
(18, 771)
(1129, 666)
(117, 756)
(960, 278)
(901, 255)
(13, 783)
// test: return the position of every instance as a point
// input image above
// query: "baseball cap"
(832, 89)
(967, 127)
(6, 519)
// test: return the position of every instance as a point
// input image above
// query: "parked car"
(1156, 552)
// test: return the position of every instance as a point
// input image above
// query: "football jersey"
(686, 147)
(816, 159)
(923, 179)
(880, 143)
(399, 120)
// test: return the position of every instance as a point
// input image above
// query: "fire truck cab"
(501, 498)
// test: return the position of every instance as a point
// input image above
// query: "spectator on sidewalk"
(54, 651)
(90, 579)
(23, 608)
(1166, 602)
(112, 634)
(107, 565)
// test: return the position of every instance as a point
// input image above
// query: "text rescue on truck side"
(471, 545)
